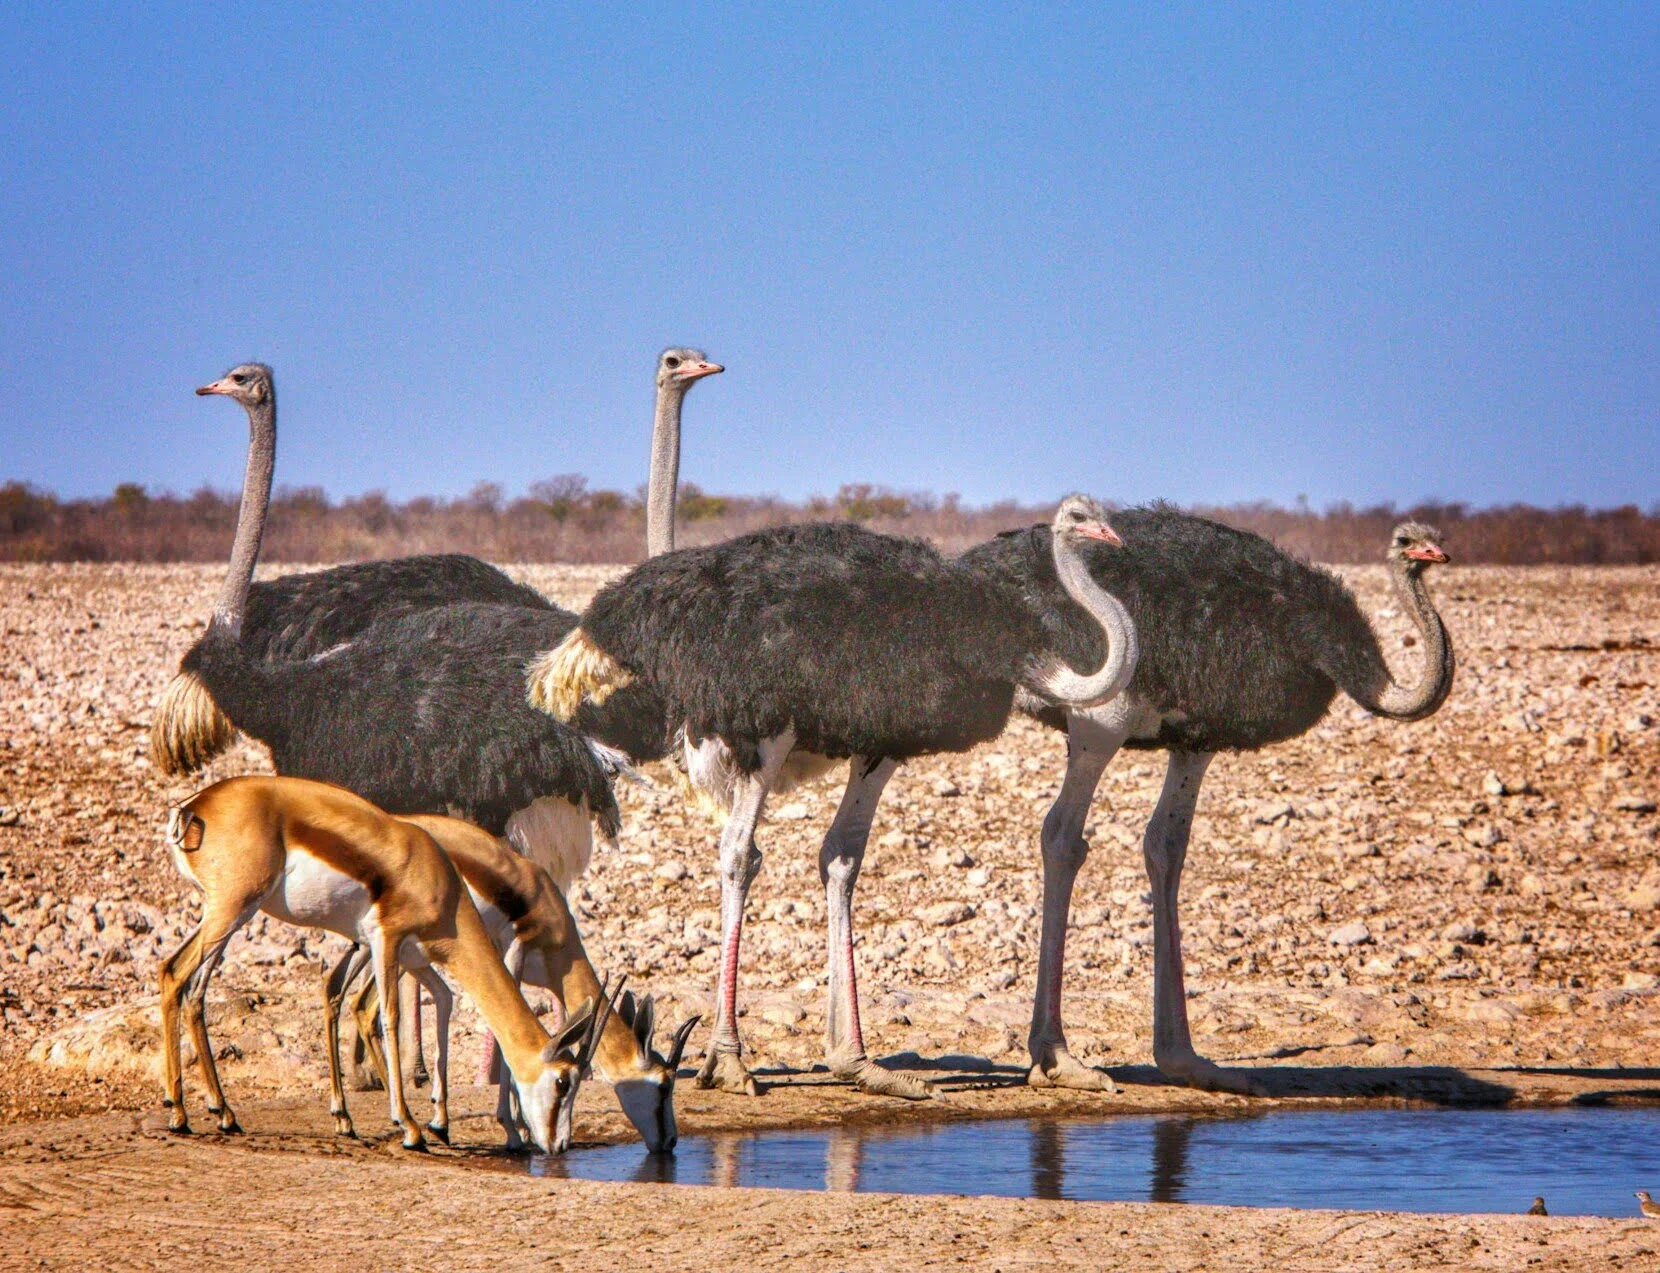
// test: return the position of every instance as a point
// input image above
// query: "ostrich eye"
(240, 379)
(671, 362)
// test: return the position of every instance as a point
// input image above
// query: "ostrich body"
(1241, 645)
(421, 711)
(825, 641)
(303, 616)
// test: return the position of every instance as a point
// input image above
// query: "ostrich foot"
(874, 1080)
(1193, 1070)
(1064, 1070)
(725, 1070)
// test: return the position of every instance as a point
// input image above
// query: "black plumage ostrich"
(302, 616)
(825, 641)
(420, 709)
(1241, 645)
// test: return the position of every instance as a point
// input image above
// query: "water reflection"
(1585, 1161)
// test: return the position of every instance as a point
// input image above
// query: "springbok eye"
(671, 362)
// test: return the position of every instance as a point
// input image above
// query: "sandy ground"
(1465, 909)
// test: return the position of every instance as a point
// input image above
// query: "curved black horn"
(680, 1037)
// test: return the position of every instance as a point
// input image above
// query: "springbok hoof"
(415, 1145)
(343, 1126)
(229, 1126)
(440, 1132)
(179, 1125)
(725, 1071)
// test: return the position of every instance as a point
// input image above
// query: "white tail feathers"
(556, 835)
(188, 729)
(575, 670)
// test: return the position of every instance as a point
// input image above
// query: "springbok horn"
(680, 1037)
(590, 1045)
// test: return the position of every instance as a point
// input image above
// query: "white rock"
(945, 914)
(672, 871)
(792, 812)
(1354, 933)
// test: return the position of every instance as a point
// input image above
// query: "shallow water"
(1584, 1161)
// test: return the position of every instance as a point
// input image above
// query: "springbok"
(318, 856)
(528, 919)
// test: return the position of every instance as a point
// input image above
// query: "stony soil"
(1479, 891)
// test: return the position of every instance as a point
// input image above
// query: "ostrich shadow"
(1433, 1084)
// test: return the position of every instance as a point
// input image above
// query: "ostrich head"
(1415, 545)
(250, 384)
(681, 368)
(1081, 517)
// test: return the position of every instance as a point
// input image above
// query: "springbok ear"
(626, 1008)
(576, 1025)
(680, 1037)
(645, 1023)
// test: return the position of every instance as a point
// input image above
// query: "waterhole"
(1583, 1161)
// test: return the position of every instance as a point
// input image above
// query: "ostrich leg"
(739, 862)
(1090, 744)
(1165, 850)
(838, 869)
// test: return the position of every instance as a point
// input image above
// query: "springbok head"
(646, 1090)
(547, 1106)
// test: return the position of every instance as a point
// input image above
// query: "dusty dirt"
(1465, 909)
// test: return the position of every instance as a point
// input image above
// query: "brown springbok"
(528, 919)
(318, 856)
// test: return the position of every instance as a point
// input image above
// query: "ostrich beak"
(698, 370)
(218, 386)
(1428, 552)
(1100, 530)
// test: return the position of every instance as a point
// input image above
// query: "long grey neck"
(1413, 702)
(1060, 681)
(232, 602)
(664, 483)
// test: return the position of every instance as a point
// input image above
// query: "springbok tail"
(574, 671)
(188, 729)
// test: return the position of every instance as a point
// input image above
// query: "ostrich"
(301, 616)
(1241, 646)
(826, 641)
(420, 711)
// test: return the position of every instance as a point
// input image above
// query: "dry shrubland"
(1483, 887)
(562, 519)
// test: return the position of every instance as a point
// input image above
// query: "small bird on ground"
(1538, 1208)
(1648, 1205)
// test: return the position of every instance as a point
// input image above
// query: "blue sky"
(1353, 252)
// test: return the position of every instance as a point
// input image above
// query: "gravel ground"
(1478, 890)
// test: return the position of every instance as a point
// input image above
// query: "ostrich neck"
(664, 481)
(1118, 631)
(1435, 676)
(232, 601)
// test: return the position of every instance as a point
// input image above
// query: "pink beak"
(698, 370)
(218, 386)
(1428, 552)
(1100, 530)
